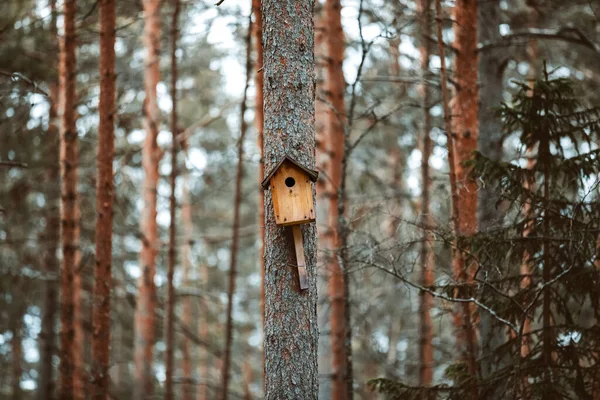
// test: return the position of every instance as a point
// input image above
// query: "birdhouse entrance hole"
(290, 182)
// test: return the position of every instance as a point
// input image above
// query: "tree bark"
(50, 237)
(426, 256)
(69, 238)
(104, 203)
(258, 125)
(462, 321)
(291, 332)
(16, 342)
(170, 325)
(335, 87)
(491, 71)
(236, 219)
(145, 318)
(465, 108)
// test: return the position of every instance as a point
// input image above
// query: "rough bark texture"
(336, 119)
(291, 332)
(170, 324)
(69, 238)
(145, 319)
(50, 237)
(104, 203)
(237, 200)
(186, 318)
(492, 62)
(465, 127)
(426, 256)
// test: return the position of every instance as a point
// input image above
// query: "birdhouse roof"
(312, 174)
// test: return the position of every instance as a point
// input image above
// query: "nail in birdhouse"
(293, 202)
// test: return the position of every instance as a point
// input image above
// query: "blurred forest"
(456, 248)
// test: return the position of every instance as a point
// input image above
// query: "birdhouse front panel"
(292, 195)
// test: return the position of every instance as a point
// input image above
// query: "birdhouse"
(293, 203)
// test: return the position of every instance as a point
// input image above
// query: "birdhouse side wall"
(292, 205)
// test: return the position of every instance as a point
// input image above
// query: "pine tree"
(291, 333)
(104, 203)
(562, 224)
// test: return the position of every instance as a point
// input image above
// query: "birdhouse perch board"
(293, 202)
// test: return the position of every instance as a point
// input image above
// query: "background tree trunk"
(170, 325)
(145, 319)
(291, 333)
(104, 203)
(335, 87)
(50, 236)
(69, 198)
(236, 218)
(465, 126)
(426, 256)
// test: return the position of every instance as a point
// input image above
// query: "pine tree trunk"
(492, 63)
(324, 193)
(79, 378)
(145, 318)
(336, 120)
(50, 237)
(462, 321)
(69, 238)
(104, 204)
(465, 128)
(426, 256)
(236, 219)
(291, 332)
(529, 184)
(202, 387)
(186, 218)
(258, 125)
(170, 324)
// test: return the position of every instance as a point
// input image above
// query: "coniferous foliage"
(560, 294)
(559, 233)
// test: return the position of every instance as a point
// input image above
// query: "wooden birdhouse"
(293, 202)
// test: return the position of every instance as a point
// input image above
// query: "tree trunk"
(324, 193)
(202, 387)
(258, 125)
(186, 218)
(426, 256)
(236, 219)
(492, 63)
(145, 319)
(170, 325)
(69, 238)
(529, 185)
(462, 322)
(50, 236)
(465, 129)
(79, 378)
(291, 332)
(104, 203)
(335, 87)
